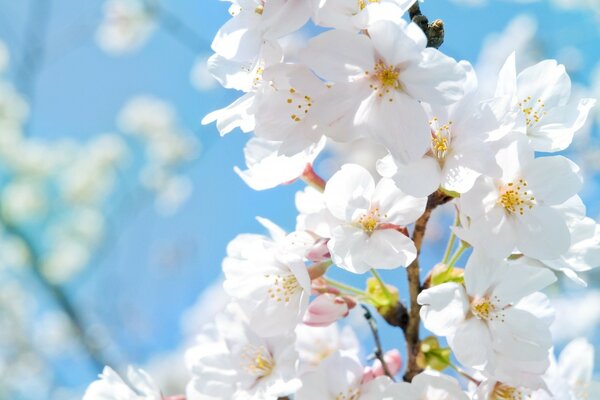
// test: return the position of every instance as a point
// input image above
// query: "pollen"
(300, 104)
(350, 394)
(257, 361)
(282, 288)
(259, 10)
(441, 137)
(532, 110)
(506, 392)
(516, 198)
(487, 309)
(369, 221)
(363, 3)
(387, 75)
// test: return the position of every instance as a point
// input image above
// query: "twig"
(411, 332)
(33, 49)
(434, 31)
(60, 297)
(378, 349)
(175, 27)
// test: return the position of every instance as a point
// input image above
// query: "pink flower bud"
(393, 361)
(319, 252)
(325, 310)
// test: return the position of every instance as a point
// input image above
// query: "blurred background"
(116, 204)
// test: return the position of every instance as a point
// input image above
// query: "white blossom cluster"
(369, 76)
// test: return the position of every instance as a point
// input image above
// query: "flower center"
(533, 111)
(363, 3)
(283, 288)
(441, 137)
(369, 221)
(351, 394)
(515, 197)
(387, 75)
(257, 361)
(505, 392)
(482, 308)
(299, 104)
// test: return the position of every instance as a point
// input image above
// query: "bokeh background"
(116, 204)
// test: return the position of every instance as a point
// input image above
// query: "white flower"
(381, 78)
(516, 210)
(231, 362)
(268, 168)
(369, 236)
(313, 214)
(257, 21)
(497, 322)
(576, 366)
(340, 376)
(536, 103)
(315, 344)
(126, 26)
(355, 15)
(458, 151)
(246, 76)
(296, 108)
(270, 283)
(428, 385)
(110, 386)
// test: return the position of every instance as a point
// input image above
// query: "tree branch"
(434, 31)
(60, 297)
(378, 349)
(411, 332)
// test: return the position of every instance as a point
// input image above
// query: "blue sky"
(79, 93)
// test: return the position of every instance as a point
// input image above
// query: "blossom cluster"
(369, 75)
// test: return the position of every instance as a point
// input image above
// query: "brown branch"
(378, 349)
(411, 332)
(434, 31)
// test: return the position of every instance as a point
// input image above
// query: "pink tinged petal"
(443, 308)
(555, 131)
(400, 124)
(399, 208)
(388, 249)
(521, 279)
(325, 310)
(235, 115)
(346, 246)
(542, 233)
(349, 192)
(547, 81)
(419, 178)
(553, 180)
(436, 79)
(472, 343)
(339, 56)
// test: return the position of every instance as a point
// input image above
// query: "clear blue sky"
(78, 94)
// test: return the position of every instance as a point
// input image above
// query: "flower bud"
(325, 310)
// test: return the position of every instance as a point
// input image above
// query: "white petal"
(346, 246)
(542, 233)
(338, 56)
(399, 208)
(443, 308)
(388, 249)
(419, 178)
(349, 190)
(553, 180)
